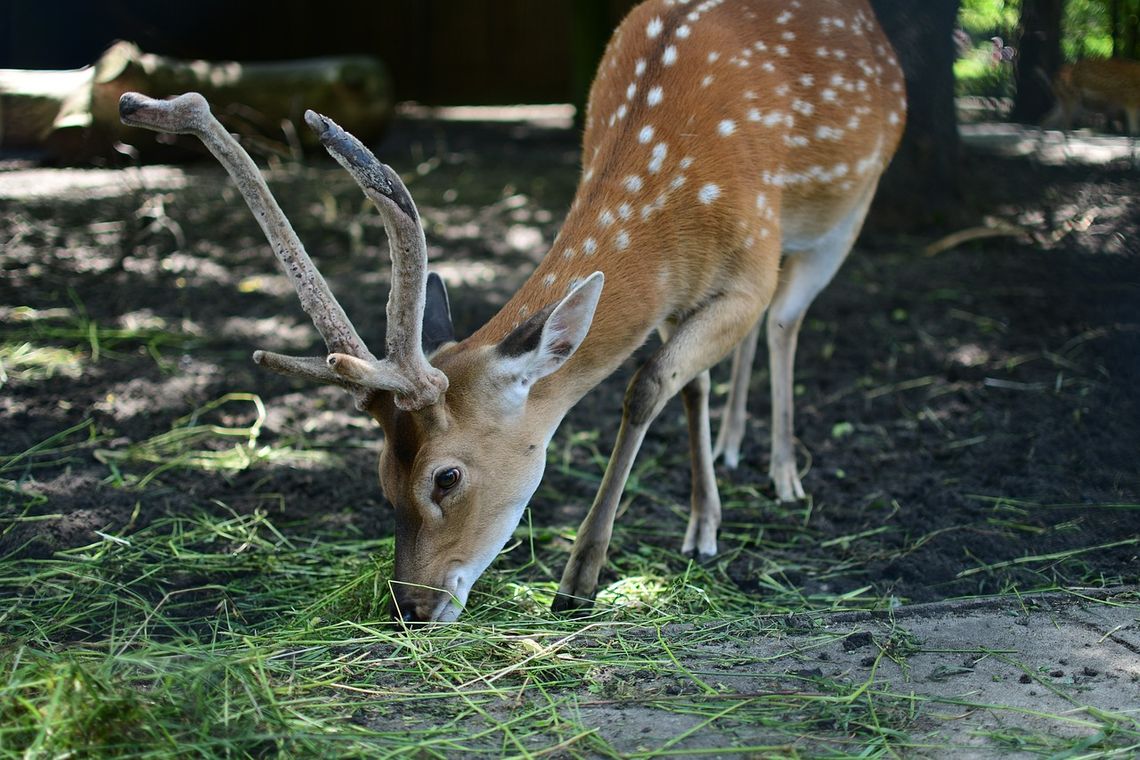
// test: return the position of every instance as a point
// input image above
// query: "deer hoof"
(572, 606)
(786, 482)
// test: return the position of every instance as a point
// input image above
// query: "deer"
(1099, 84)
(730, 154)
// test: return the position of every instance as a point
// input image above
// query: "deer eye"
(447, 479)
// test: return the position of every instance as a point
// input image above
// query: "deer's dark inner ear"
(526, 337)
(437, 328)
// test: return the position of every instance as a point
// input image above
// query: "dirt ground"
(1049, 657)
(971, 416)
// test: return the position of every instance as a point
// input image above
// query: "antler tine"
(423, 384)
(190, 114)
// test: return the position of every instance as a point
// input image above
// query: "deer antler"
(405, 371)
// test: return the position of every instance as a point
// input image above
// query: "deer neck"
(633, 302)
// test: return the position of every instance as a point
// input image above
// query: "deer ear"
(437, 328)
(544, 342)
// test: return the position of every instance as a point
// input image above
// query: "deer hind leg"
(704, 500)
(704, 509)
(1132, 123)
(805, 272)
(697, 342)
(734, 419)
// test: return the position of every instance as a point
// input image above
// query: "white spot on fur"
(784, 17)
(686, 162)
(713, 56)
(645, 135)
(708, 193)
(654, 27)
(655, 95)
(683, 31)
(726, 127)
(606, 218)
(589, 246)
(549, 279)
(657, 157)
(707, 80)
(639, 68)
(630, 91)
(632, 183)
(625, 211)
(669, 57)
(622, 240)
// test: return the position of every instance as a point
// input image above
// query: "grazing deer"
(719, 136)
(1108, 85)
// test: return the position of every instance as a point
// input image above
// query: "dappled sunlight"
(550, 115)
(152, 396)
(63, 185)
(469, 272)
(1047, 146)
(28, 362)
(634, 591)
(217, 436)
(276, 333)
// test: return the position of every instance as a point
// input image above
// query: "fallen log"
(72, 116)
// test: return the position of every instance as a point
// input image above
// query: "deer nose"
(405, 610)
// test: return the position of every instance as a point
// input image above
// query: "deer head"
(464, 437)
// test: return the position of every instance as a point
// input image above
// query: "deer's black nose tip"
(404, 611)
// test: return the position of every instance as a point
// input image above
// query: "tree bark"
(920, 188)
(1038, 58)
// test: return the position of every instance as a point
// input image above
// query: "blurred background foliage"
(1089, 29)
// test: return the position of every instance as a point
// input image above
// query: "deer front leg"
(698, 342)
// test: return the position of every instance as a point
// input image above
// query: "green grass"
(195, 443)
(38, 344)
(218, 636)
(222, 633)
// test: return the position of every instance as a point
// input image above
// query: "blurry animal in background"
(1108, 86)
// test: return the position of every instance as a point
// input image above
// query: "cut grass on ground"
(221, 634)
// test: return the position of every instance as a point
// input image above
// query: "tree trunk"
(921, 186)
(1038, 58)
(1114, 25)
(74, 115)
